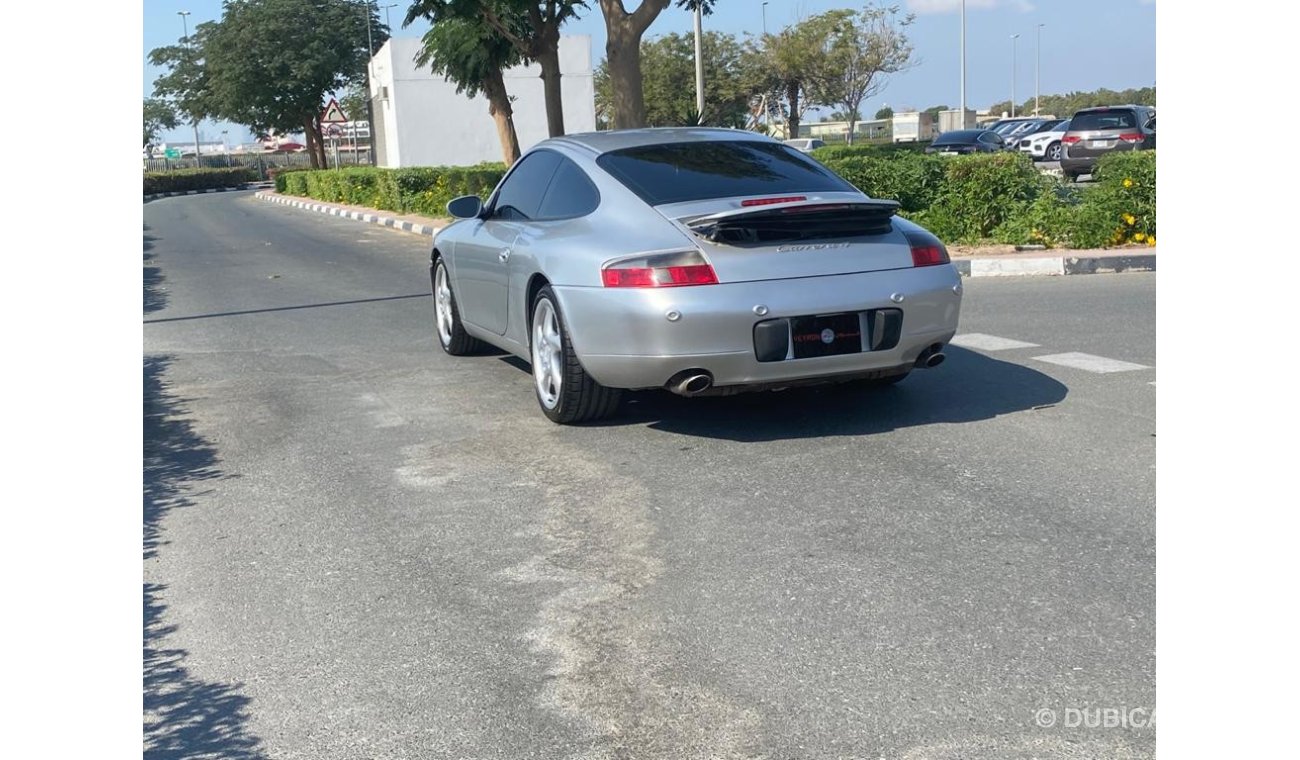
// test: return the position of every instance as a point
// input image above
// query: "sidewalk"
(972, 263)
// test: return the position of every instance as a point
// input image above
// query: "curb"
(156, 196)
(992, 266)
(321, 208)
(1054, 265)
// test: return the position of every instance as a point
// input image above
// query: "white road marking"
(1090, 363)
(982, 342)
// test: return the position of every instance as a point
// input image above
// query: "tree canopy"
(269, 64)
(668, 64)
(158, 116)
(1064, 106)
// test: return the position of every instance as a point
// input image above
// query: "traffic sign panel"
(333, 114)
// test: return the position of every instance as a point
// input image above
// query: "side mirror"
(465, 207)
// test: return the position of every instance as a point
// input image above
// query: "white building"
(420, 120)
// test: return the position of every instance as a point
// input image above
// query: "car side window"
(571, 194)
(520, 195)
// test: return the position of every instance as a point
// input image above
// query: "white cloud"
(923, 7)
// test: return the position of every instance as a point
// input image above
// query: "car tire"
(1070, 176)
(1053, 152)
(565, 392)
(451, 333)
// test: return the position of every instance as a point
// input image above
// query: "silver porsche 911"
(702, 261)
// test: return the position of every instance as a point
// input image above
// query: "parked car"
(1094, 132)
(701, 261)
(1016, 132)
(805, 145)
(961, 141)
(1045, 144)
(1004, 126)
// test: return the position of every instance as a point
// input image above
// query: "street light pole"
(370, 97)
(1014, 37)
(699, 65)
(963, 64)
(1038, 62)
(388, 20)
(764, 19)
(185, 25)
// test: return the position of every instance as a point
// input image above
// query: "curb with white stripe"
(384, 221)
(1054, 265)
(174, 193)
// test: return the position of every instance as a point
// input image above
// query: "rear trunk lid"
(807, 235)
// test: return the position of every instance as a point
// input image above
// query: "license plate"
(1099, 143)
(826, 335)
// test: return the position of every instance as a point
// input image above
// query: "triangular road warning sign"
(333, 114)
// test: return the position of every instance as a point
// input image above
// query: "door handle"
(504, 256)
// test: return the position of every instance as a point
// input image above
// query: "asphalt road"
(358, 547)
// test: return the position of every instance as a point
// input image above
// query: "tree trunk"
(310, 134)
(623, 32)
(853, 122)
(623, 58)
(494, 87)
(792, 122)
(549, 59)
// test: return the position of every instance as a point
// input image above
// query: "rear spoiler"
(797, 220)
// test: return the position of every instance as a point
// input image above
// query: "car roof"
(962, 134)
(618, 139)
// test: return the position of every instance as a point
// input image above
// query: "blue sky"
(1085, 45)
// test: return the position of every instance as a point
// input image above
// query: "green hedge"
(834, 152)
(423, 190)
(966, 199)
(912, 179)
(181, 180)
(1002, 198)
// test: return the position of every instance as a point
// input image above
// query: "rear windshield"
(693, 171)
(1103, 120)
(958, 137)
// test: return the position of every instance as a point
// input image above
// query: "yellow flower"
(1130, 219)
(1139, 237)
(1151, 242)
(1128, 182)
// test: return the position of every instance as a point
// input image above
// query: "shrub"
(912, 179)
(980, 193)
(181, 180)
(420, 190)
(834, 152)
(1121, 208)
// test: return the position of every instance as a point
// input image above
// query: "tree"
(185, 84)
(799, 64)
(864, 49)
(623, 31)
(158, 115)
(885, 113)
(531, 26)
(270, 63)
(668, 82)
(473, 55)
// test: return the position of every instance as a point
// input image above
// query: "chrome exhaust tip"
(934, 360)
(931, 357)
(690, 383)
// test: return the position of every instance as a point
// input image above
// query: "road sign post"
(333, 116)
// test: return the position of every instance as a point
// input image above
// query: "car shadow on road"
(968, 387)
(185, 716)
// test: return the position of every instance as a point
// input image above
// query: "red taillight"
(770, 201)
(659, 277)
(1070, 139)
(1134, 137)
(928, 255)
(660, 270)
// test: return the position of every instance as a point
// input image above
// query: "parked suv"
(1094, 132)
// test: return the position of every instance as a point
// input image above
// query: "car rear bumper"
(624, 338)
